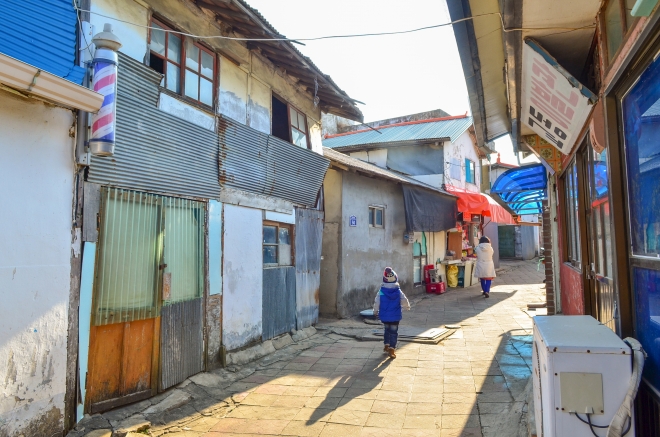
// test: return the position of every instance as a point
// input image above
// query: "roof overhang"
(492, 55)
(359, 147)
(242, 19)
(31, 81)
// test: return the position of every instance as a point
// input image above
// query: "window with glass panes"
(572, 226)
(298, 127)
(469, 171)
(376, 217)
(277, 239)
(617, 22)
(188, 68)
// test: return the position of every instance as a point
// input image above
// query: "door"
(309, 234)
(125, 307)
(599, 249)
(147, 302)
(507, 241)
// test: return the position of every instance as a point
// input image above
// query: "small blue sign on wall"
(352, 220)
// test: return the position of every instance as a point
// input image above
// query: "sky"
(393, 75)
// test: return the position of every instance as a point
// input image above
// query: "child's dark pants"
(391, 333)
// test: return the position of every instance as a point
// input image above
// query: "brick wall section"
(547, 253)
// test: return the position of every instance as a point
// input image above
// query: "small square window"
(376, 217)
(277, 245)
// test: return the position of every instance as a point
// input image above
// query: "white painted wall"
(434, 180)
(375, 156)
(177, 108)
(233, 91)
(460, 149)
(242, 276)
(36, 176)
(133, 38)
(259, 102)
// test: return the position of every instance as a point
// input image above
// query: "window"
(376, 217)
(617, 21)
(419, 257)
(469, 171)
(277, 244)
(572, 227)
(288, 123)
(193, 80)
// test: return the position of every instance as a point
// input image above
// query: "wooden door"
(123, 355)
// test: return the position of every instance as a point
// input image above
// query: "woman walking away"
(387, 307)
(485, 268)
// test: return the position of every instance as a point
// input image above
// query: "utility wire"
(355, 35)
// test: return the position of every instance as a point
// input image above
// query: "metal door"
(599, 251)
(182, 342)
(507, 241)
(125, 310)
(309, 234)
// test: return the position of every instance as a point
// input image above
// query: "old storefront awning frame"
(523, 189)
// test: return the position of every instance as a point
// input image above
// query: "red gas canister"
(427, 276)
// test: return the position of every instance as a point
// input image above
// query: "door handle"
(162, 266)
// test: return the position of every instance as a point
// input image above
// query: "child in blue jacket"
(387, 307)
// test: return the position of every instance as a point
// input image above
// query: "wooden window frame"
(279, 225)
(182, 64)
(605, 55)
(571, 217)
(289, 106)
(372, 213)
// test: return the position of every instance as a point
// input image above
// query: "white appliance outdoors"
(580, 366)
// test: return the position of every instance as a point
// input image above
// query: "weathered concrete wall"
(367, 251)
(331, 245)
(375, 156)
(459, 150)
(233, 96)
(242, 276)
(259, 102)
(36, 176)
(133, 38)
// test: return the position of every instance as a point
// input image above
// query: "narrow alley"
(473, 383)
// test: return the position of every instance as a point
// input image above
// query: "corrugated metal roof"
(372, 169)
(41, 33)
(433, 130)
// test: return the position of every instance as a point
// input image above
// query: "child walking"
(485, 270)
(387, 307)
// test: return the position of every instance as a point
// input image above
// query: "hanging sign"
(554, 104)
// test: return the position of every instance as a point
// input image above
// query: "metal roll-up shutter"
(156, 151)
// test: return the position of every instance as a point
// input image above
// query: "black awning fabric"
(427, 211)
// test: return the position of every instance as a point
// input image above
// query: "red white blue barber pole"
(102, 140)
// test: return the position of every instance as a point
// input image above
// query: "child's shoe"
(386, 349)
(391, 353)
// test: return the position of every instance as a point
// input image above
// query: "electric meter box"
(580, 366)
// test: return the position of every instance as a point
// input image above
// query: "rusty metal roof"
(250, 23)
(447, 129)
(373, 170)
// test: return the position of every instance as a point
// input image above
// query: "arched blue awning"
(523, 189)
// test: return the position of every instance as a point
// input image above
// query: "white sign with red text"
(554, 104)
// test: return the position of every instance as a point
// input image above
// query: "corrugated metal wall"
(309, 235)
(279, 301)
(156, 151)
(260, 163)
(181, 342)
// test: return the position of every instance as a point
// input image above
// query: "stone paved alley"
(473, 383)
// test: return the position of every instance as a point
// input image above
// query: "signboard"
(554, 104)
(352, 221)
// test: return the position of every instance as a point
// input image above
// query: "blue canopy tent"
(522, 189)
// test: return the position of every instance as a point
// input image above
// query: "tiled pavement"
(338, 386)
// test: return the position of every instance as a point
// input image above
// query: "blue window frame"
(469, 171)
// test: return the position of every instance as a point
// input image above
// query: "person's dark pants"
(485, 285)
(391, 333)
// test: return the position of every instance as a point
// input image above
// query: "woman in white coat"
(485, 270)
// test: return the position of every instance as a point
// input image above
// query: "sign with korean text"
(554, 104)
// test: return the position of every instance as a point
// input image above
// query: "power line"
(355, 35)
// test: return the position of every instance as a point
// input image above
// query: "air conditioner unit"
(581, 373)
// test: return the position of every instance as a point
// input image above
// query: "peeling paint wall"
(366, 251)
(133, 38)
(242, 276)
(259, 102)
(36, 176)
(331, 245)
(460, 149)
(233, 91)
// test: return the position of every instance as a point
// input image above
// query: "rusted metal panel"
(309, 235)
(279, 301)
(181, 342)
(156, 151)
(92, 204)
(259, 163)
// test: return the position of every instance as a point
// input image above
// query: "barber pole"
(102, 141)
